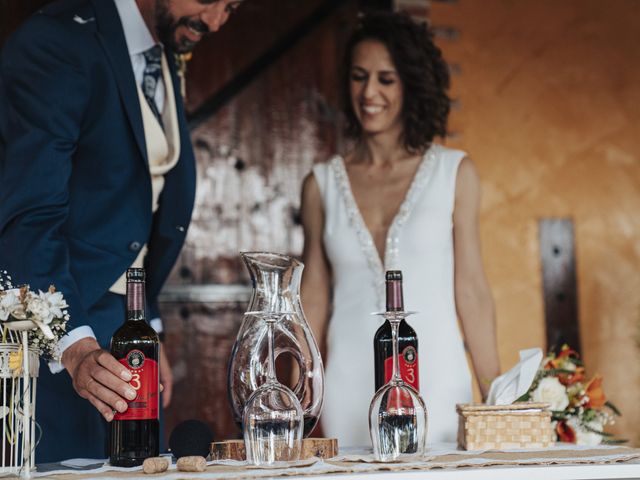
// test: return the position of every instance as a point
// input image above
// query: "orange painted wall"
(550, 110)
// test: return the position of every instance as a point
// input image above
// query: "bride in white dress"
(396, 201)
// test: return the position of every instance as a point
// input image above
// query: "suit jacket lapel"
(111, 37)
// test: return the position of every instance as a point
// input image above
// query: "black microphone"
(191, 437)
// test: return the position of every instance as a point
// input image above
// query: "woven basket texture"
(503, 427)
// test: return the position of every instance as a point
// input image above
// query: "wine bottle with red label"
(135, 433)
(407, 339)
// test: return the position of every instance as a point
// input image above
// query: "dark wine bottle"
(135, 434)
(407, 339)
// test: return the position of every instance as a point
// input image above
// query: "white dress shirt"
(139, 40)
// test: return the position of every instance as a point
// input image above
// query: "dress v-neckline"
(377, 263)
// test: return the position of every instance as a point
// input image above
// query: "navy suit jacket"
(75, 188)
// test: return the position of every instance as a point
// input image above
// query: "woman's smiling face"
(376, 88)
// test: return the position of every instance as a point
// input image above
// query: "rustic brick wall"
(251, 158)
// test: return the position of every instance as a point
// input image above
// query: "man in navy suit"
(97, 174)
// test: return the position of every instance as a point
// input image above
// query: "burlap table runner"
(362, 463)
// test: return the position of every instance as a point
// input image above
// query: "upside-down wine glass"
(397, 415)
(273, 419)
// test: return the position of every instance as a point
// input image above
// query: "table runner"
(359, 461)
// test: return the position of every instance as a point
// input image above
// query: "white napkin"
(510, 386)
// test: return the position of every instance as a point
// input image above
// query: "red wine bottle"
(135, 434)
(407, 339)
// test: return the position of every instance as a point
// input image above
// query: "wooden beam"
(375, 5)
(557, 257)
(244, 78)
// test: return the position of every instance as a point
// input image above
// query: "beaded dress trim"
(392, 245)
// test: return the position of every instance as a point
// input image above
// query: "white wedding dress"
(420, 243)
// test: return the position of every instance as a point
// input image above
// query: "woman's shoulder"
(323, 167)
(329, 160)
(448, 153)
(321, 173)
(447, 160)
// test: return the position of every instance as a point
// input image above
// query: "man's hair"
(422, 70)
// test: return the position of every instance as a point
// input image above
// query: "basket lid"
(514, 407)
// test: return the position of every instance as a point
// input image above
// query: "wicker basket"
(501, 427)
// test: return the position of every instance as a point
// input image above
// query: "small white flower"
(39, 308)
(55, 302)
(5, 281)
(10, 305)
(551, 391)
(584, 436)
(7, 304)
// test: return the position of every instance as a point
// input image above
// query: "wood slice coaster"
(311, 447)
(319, 447)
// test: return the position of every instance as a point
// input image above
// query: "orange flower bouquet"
(579, 408)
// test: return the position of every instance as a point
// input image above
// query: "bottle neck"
(395, 301)
(135, 302)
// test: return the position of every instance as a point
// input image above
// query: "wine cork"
(191, 464)
(155, 465)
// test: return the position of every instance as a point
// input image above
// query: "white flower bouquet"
(44, 314)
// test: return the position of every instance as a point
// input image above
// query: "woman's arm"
(316, 280)
(473, 295)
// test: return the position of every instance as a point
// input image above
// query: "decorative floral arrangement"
(44, 314)
(579, 408)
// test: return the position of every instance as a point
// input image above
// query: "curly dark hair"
(422, 70)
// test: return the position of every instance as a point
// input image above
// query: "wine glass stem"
(395, 376)
(271, 368)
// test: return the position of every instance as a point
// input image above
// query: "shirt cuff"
(156, 324)
(66, 341)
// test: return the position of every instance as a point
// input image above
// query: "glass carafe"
(275, 280)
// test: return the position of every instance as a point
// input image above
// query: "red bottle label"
(145, 382)
(408, 367)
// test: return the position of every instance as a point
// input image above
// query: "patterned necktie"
(150, 77)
